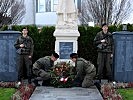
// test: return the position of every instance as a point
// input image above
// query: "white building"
(42, 12)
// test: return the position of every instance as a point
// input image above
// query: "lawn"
(6, 93)
(127, 94)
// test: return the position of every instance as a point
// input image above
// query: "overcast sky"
(130, 20)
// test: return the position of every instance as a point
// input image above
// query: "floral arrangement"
(62, 74)
(23, 92)
(109, 92)
(8, 84)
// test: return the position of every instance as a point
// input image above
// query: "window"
(48, 5)
(55, 3)
(40, 5)
(43, 6)
(51, 5)
(79, 5)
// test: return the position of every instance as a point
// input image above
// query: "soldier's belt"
(39, 64)
(91, 69)
(35, 66)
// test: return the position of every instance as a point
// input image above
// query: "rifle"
(106, 36)
(102, 45)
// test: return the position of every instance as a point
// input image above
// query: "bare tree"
(11, 11)
(105, 11)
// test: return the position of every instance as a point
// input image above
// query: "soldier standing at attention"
(24, 46)
(41, 68)
(104, 42)
(85, 71)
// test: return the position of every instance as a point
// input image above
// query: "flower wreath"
(62, 75)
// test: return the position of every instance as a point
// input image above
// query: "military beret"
(55, 55)
(73, 55)
(104, 24)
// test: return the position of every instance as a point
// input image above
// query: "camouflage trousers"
(24, 61)
(104, 61)
(40, 73)
(88, 79)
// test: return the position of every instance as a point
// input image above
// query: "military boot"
(29, 80)
(46, 82)
(36, 82)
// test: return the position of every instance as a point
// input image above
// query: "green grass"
(6, 93)
(127, 94)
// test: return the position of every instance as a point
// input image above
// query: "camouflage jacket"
(104, 47)
(28, 45)
(44, 63)
(83, 67)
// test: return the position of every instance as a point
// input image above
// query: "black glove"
(77, 82)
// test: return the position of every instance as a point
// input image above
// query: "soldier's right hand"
(21, 45)
(103, 40)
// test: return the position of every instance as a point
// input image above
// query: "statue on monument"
(66, 13)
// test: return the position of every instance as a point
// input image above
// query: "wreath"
(62, 75)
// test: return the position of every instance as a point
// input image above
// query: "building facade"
(43, 12)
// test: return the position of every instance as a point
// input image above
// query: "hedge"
(44, 42)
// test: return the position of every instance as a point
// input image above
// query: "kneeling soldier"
(41, 68)
(85, 71)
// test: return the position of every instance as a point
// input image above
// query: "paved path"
(75, 93)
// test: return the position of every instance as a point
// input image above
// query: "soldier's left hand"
(111, 55)
(30, 56)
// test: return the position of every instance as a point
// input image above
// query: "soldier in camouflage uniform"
(85, 71)
(24, 46)
(41, 68)
(104, 43)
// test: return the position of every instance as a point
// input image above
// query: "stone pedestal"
(66, 32)
(66, 40)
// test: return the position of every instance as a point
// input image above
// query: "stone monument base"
(66, 41)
